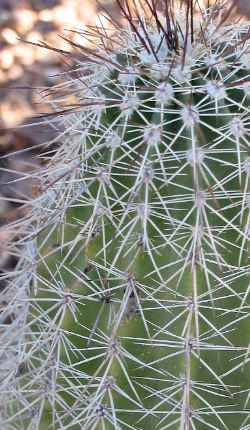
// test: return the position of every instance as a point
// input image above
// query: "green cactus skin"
(138, 315)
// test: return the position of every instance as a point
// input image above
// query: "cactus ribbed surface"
(138, 313)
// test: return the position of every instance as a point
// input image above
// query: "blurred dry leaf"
(243, 7)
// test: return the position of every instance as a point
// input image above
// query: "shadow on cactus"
(138, 312)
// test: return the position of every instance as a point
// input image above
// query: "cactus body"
(138, 315)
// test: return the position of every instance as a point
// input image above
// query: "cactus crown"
(138, 307)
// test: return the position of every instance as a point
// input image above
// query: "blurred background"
(25, 65)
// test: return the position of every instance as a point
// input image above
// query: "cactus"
(132, 285)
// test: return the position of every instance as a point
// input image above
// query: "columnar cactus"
(138, 309)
